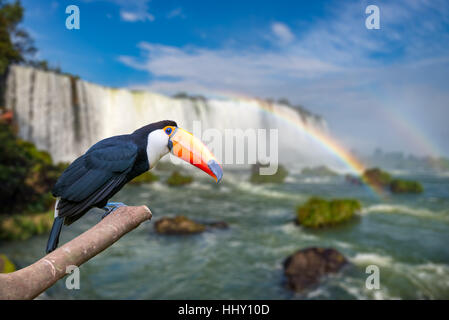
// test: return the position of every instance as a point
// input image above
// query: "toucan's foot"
(110, 207)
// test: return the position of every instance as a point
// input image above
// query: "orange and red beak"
(190, 149)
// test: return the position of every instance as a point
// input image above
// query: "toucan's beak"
(185, 146)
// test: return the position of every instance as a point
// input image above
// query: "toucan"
(93, 178)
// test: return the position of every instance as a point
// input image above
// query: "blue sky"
(386, 87)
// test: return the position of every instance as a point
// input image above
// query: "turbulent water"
(65, 116)
(405, 236)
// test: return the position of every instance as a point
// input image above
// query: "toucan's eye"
(168, 131)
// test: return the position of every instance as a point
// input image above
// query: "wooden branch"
(31, 281)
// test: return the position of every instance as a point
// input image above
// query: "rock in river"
(307, 266)
(183, 225)
(178, 225)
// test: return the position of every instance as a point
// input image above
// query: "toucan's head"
(165, 136)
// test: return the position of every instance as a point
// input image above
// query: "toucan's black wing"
(94, 176)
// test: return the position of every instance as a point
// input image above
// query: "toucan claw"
(111, 207)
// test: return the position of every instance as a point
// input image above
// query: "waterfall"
(65, 116)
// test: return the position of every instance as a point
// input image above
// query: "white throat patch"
(156, 146)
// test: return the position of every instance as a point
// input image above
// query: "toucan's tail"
(53, 239)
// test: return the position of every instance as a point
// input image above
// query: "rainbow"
(326, 142)
(409, 130)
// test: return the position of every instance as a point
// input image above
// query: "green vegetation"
(15, 43)
(177, 179)
(257, 178)
(27, 174)
(23, 226)
(147, 177)
(383, 179)
(405, 186)
(377, 177)
(321, 171)
(317, 212)
(6, 266)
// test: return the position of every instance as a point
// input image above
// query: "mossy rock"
(317, 212)
(257, 178)
(377, 177)
(6, 265)
(178, 225)
(383, 179)
(24, 226)
(177, 179)
(405, 186)
(321, 171)
(147, 177)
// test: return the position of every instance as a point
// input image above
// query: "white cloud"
(128, 16)
(131, 10)
(226, 69)
(135, 16)
(176, 13)
(337, 68)
(282, 32)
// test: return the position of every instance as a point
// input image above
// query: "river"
(406, 236)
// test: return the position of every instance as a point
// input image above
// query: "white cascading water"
(65, 116)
